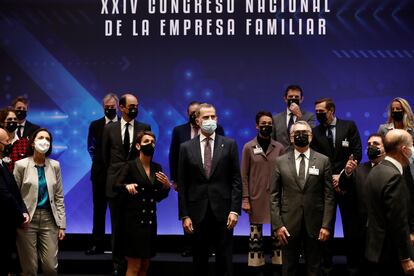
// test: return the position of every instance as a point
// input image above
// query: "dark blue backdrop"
(56, 54)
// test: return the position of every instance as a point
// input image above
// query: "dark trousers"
(100, 204)
(211, 231)
(8, 245)
(290, 253)
(115, 208)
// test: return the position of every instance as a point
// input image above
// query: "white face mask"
(42, 145)
(209, 126)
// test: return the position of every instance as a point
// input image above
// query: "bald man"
(389, 248)
(116, 148)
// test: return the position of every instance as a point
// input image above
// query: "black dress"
(139, 229)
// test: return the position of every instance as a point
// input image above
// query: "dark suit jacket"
(150, 190)
(356, 188)
(29, 128)
(222, 190)
(345, 130)
(388, 233)
(113, 152)
(181, 134)
(279, 131)
(12, 206)
(291, 205)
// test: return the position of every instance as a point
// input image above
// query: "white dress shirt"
(288, 117)
(203, 144)
(130, 130)
(107, 120)
(298, 159)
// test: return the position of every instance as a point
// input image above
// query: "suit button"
(142, 222)
(150, 222)
(143, 200)
(143, 211)
(152, 211)
(156, 190)
(142, 189)
(152, 200)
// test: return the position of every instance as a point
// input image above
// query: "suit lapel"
(218, 148)
(141, 171)
(292, 167)
(187, 133)
(312, 163)
(196, 150)
(50, 176)
(338, 137)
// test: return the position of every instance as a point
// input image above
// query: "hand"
(282, 234)
(232, 221)
(350, 165)
(26, 221)
(408, 266)
(61, 234)
(412, 238)
(295, 109)
(323, 234)
(188, 226)
(163, 178)
(131, 188)
(246, 206)
(335, 182)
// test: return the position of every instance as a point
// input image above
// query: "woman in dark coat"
(144, 184)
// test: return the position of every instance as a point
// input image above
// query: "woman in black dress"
(144, 184)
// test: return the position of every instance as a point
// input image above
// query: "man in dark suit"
(388, 237)
(339, 140)
(24, 127)
(283, 121)
(302, 202)
(98, 172)
(209, 190)
(116, 149)
(13, 211)
(181, 134)
(353, 181)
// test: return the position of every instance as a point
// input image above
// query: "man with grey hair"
(302, 201)
(389, 248)
(209, 192)
(98, 172)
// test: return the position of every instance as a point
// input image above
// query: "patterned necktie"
(302, 170)
(207, 157)
(290, 123)
(126, 139)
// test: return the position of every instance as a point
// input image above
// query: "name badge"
(257, 150)
(313, 171)
(345, 144)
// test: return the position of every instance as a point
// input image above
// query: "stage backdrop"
(238, 55)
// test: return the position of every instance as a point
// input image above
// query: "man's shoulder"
(97, 122)
(348, 123)
(319, 155)
(31, 125)
(279, 115)
(180, 128)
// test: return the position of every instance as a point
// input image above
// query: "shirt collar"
(395, 163)
(203, 137)
(22, 124)
(107, 120)
(306, 153)
(288, 111)
(16, 137)
(123, 122)
(333, 123)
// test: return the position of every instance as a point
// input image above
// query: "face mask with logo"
(301, 140)
(11, 126)
(265, 131)
(397, 116)
(148, 149)
(209, 126)
(42, 145)
(322, 117)
(373, 152)
(132, 112)
(290, 101)
(20, 114)
(110, 113)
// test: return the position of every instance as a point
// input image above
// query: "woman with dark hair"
(18, 146)
(144, 184)
(40, 183)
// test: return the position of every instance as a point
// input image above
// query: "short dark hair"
(192, 103)
(260, 114)
(4, 112)
(143, 133)
(22, 99)
(30, 149)
(376, 135)
(122, 100)
(294, 87)
(330, 105)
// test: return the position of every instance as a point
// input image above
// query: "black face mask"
(290, 101)
(265, 131)
(7, 149)
(301, 140)
(132, 112)
(20, 114)
(322, 118)
(11, 126)
(397, 116)
(147, 150)
(373, 152)
(110, 113)
(192, 119)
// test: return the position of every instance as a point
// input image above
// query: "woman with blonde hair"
(400, 116)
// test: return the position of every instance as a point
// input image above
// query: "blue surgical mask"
(209, 126)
